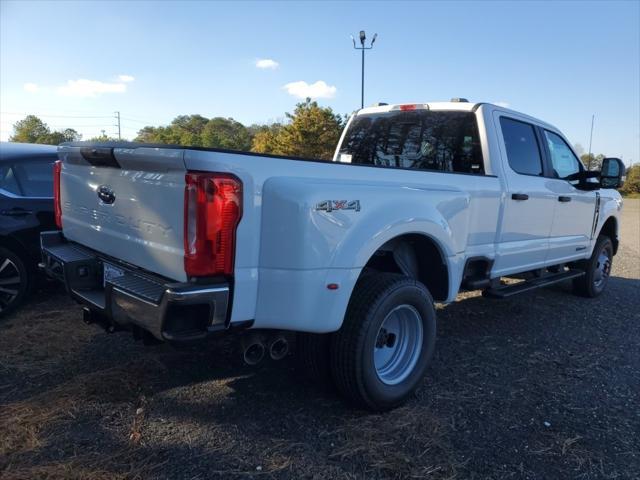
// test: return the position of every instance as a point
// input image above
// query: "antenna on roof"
(590, 138)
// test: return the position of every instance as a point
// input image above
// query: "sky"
(76, 63)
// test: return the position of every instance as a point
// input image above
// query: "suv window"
(32, 178)
(523, 152)
(420, 139)
(35, 178)
(563, 159)
(8, 180)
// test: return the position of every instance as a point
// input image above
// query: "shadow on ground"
(545, 385)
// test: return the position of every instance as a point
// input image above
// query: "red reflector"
(57, 202)
(407, 107)
(333, 286)
(212, 211)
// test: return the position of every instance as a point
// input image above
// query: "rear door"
(575, 209)
(523, 237)
(126, 203)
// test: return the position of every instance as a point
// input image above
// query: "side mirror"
(612, 173)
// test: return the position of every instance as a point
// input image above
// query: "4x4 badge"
(331, 205)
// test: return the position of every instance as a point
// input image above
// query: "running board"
(510, 290)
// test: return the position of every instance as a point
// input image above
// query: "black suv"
(26, 209)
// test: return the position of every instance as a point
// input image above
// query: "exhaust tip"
(278, 348)
(254, 353)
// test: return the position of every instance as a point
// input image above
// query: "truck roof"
(461, 105)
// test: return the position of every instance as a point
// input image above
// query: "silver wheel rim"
(603, 268)
(398, 345)
(10, 282)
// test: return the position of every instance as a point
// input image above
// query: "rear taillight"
(212, 211)
(57, 203)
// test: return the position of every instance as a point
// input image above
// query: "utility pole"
(362, 48)
(591, 138)
(118, 119)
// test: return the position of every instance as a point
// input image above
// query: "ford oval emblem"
(105, 193)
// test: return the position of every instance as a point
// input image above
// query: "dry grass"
(406, 443)
(27, 426)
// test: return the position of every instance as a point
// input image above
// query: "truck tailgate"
(127, 203)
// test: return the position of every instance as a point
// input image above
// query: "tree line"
(310, 131)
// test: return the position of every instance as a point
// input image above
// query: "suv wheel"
(14, 281)
(597, 269)
(380, 354)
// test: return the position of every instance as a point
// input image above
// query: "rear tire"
(381, 353)
(14, 281)
(597, 269)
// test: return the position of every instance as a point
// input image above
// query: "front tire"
(14, 281)
(382, 351)
(597, 269)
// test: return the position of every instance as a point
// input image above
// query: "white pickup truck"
(420, 202)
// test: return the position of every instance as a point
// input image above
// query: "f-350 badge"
(331, 205)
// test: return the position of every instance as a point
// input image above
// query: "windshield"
(447, 141)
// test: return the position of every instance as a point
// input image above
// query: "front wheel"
(382, 351)
(597, 269)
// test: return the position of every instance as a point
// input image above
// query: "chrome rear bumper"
(168, 310)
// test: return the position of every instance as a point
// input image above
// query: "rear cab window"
(446, 141)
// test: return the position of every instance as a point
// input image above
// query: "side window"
(35, 178)
(564, 162)
(523, 152)
(8, 181)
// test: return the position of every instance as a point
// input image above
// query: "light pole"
(362, 48)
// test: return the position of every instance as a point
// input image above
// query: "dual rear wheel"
(380, 355)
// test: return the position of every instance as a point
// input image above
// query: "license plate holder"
(110, 272)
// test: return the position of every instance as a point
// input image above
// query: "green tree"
(33, 130)
(632, 183)
(29, 130)
(265, 138)
(312, 132)
(60, 136)
(105, 138)
(226, 133)
(199, 131)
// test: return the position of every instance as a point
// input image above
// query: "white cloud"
(502, 104)
(303, 89)
(265, 63)
(126, 78)
(31, 87)
(90, 88)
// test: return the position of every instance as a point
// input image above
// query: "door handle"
(520, 196)
(564, 199)
(16, 212)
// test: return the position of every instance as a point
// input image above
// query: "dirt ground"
(544, 385)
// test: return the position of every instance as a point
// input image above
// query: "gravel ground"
(544, 385)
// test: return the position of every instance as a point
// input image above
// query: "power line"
(144, 122)
(55, 116)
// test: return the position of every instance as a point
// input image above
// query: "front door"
(575, 209)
